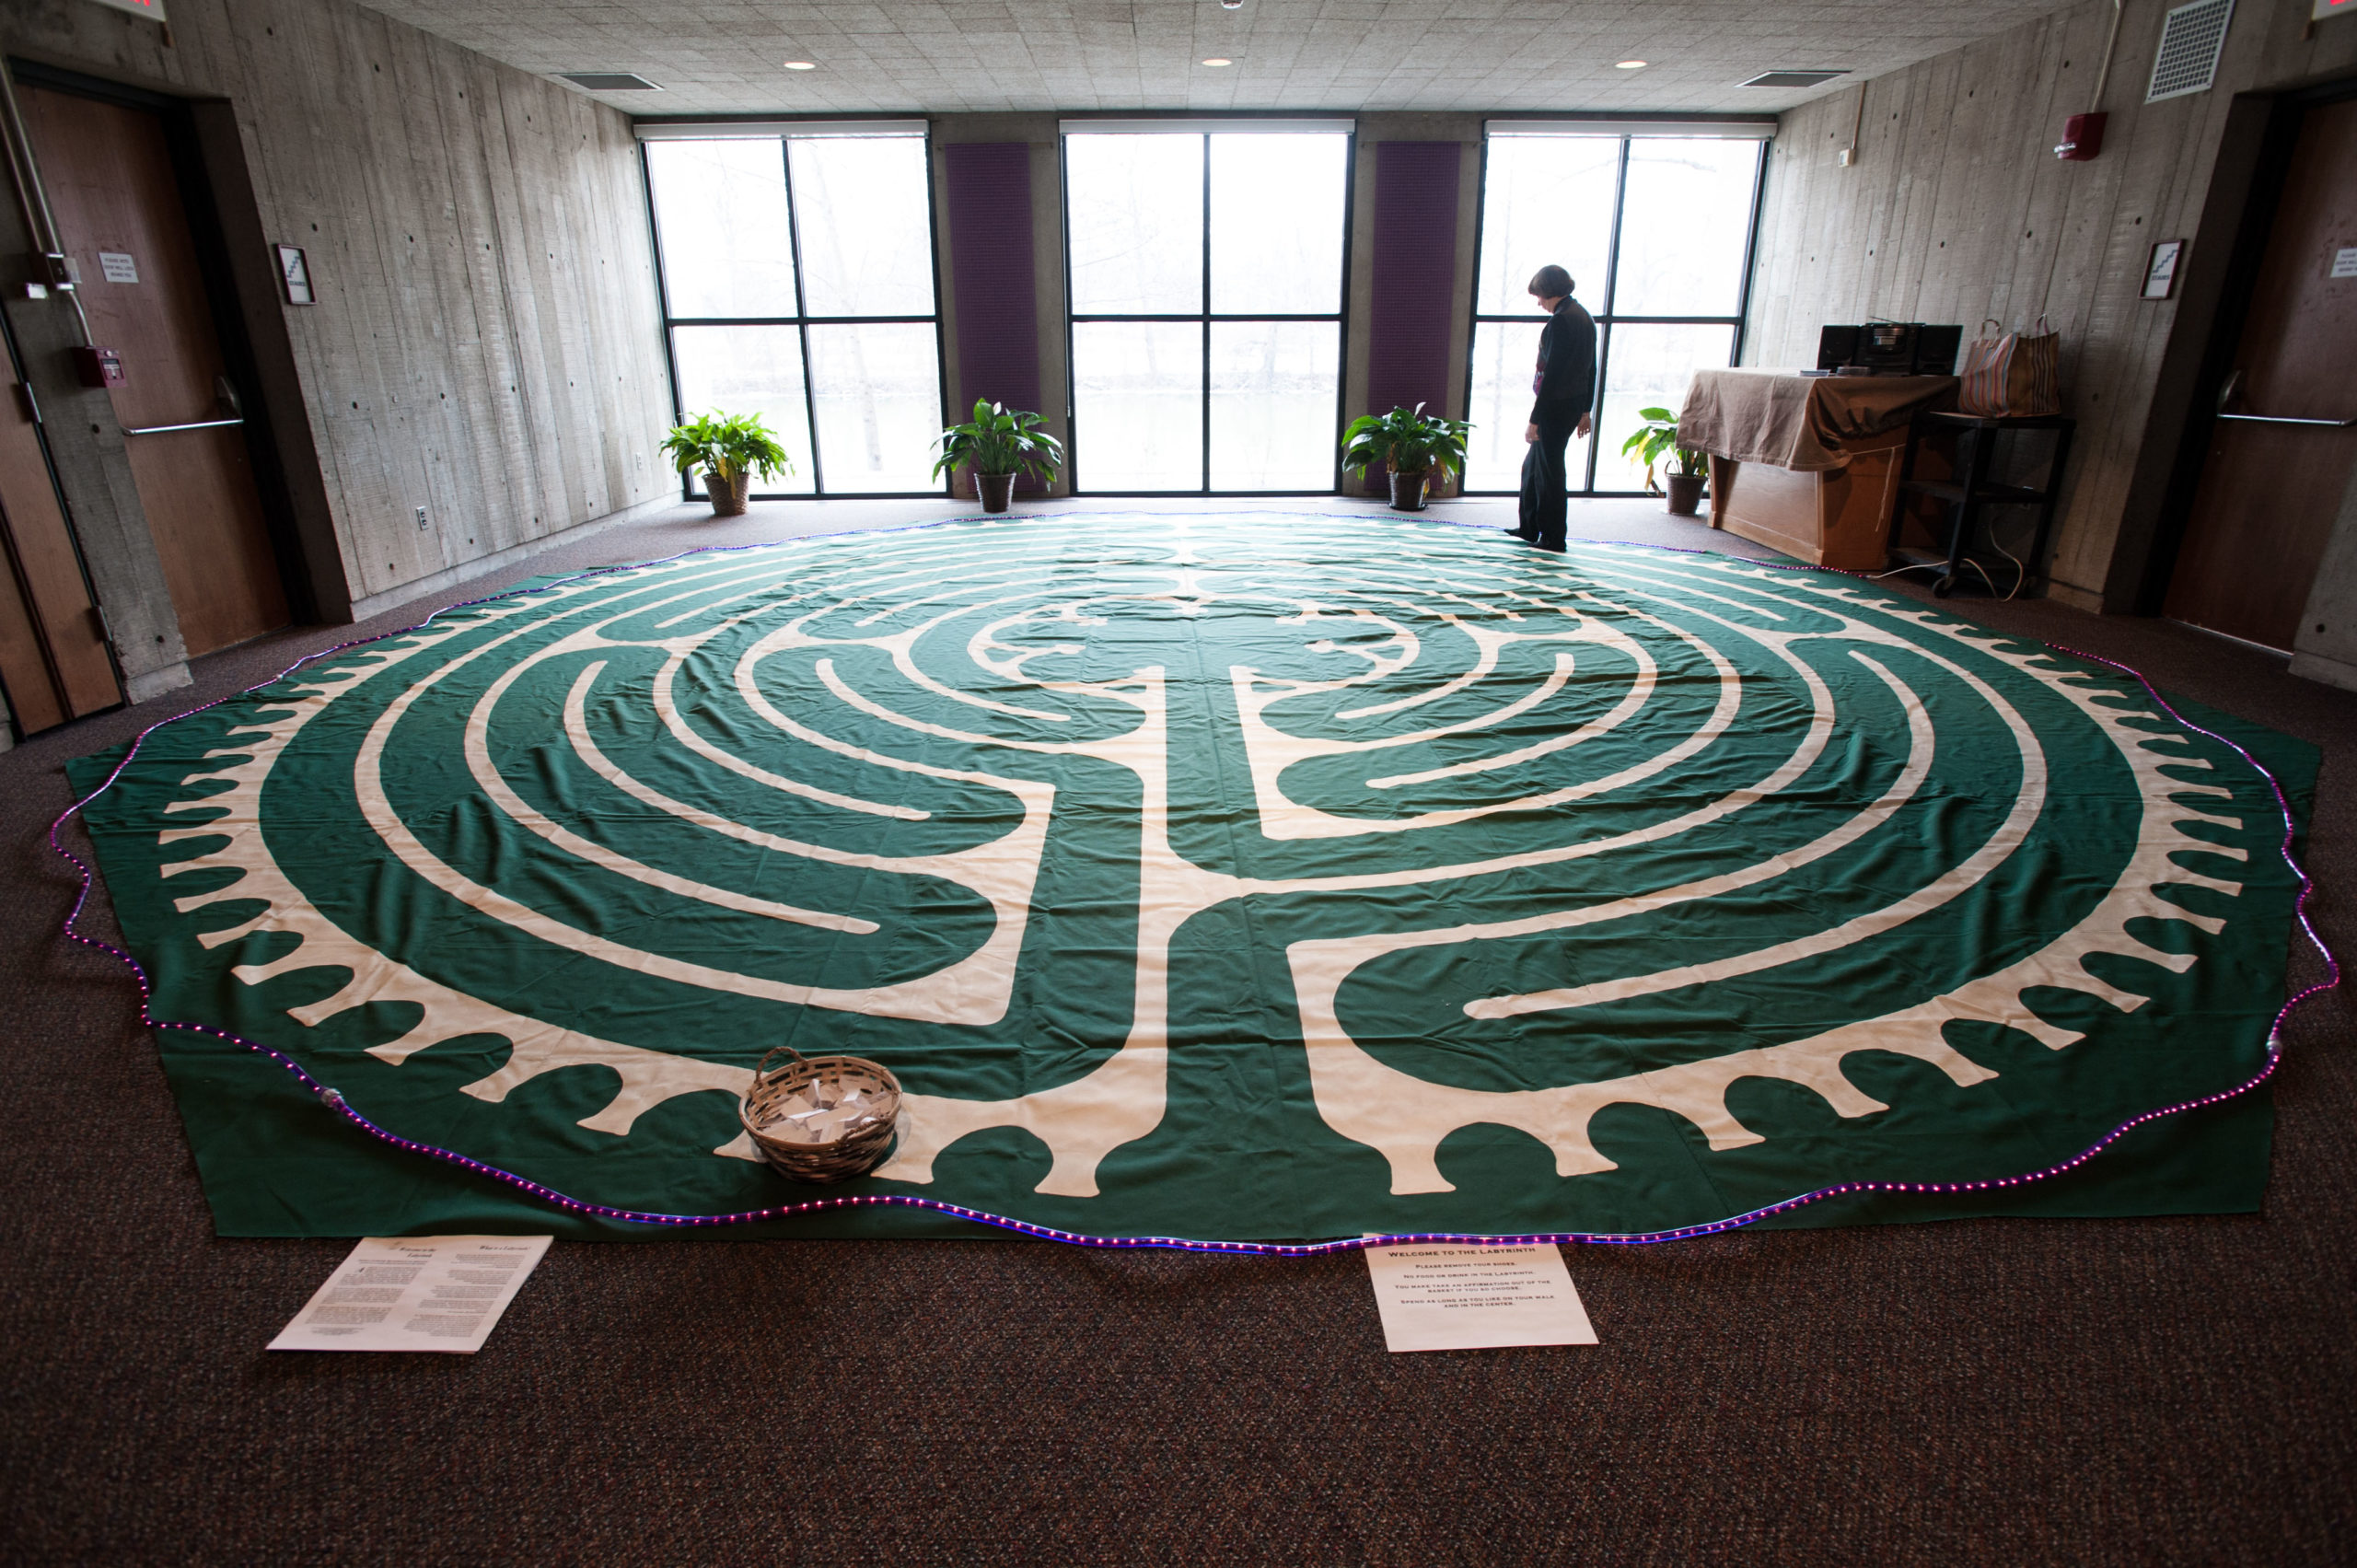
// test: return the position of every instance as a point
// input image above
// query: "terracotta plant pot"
(727, 496)
(1685, 494)
(1407, 490)
(996, 489)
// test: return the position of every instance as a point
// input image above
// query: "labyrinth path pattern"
(1244, 875)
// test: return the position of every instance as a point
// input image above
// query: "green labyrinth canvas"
(1243, 875)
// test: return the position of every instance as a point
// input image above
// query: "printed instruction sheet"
(1444, 1297)
(430, 1293)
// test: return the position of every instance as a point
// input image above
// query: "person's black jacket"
(1566, 385)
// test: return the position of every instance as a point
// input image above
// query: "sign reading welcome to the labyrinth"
(1246, 877)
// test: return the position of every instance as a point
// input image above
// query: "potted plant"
(1659, 434)
(729, 448)
(999, 444)
(1411, 446)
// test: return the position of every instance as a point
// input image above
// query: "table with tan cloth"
(1806, 464)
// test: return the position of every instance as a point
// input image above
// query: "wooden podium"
(1807, 465)
(1838, 517)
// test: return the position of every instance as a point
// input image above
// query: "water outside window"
(1652, 364)
(1272, 404)
(1139, 384)
(1668, 297)
(749, 370)
(876, 386)
(1206, 308)
(1498, 397)
(845, 344)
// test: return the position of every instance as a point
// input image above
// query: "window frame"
(1605, 319)
(1205, 318)
(782, 133)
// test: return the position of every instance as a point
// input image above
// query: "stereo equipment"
(1889, 348)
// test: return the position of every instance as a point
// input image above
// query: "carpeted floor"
(1989, 1391)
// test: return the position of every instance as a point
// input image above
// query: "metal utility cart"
(1972, 491)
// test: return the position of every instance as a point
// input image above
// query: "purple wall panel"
(1415, 275)
(992, 271)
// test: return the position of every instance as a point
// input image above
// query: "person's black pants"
(1543, 482)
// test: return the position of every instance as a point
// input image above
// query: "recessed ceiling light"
(801, 65)
(1215, 60)
(1629, 65)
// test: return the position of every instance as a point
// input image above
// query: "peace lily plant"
(1411, 445)
(1000, 445)
(730, 448)
(1658, 435)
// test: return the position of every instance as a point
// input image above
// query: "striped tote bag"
(2016, 376)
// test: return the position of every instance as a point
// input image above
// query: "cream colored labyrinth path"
(1246, 875)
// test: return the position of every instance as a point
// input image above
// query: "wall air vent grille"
(1795, 78)
(2192, 37)
(611, 82)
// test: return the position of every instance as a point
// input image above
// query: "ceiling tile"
(725, 56)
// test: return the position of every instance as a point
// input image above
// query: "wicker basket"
(822, 1118)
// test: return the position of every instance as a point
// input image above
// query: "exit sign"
(151, 9)
(2333, 8)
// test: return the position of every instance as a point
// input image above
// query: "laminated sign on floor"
(1240, 876)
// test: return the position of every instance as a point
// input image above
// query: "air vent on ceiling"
(611, 82)
(1795, 78)
(2192, 37)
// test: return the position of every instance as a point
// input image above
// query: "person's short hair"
(1550, 282)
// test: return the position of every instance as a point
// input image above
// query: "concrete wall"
(1958, 209)
(487, 341)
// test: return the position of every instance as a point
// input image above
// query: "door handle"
(225, 394)
(168, 429)
(2233, 389)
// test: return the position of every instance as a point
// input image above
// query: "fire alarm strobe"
(98, 367)
(2082, 138)
(2082, 134)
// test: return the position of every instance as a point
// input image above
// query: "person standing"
(1562, 407)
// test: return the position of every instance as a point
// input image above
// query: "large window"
(1206, 268)
(1657, 232)
(797, 284)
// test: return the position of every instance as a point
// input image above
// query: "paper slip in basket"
(430, 1293)
(1476, 1297)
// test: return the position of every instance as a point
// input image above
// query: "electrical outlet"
(638, 461)
(421, 519)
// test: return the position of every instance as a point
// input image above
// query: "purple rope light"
(335, 1101)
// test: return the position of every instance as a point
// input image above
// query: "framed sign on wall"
(294, 275)
(2160, 269)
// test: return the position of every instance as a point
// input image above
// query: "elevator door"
(2280, 461)
(108, 169)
